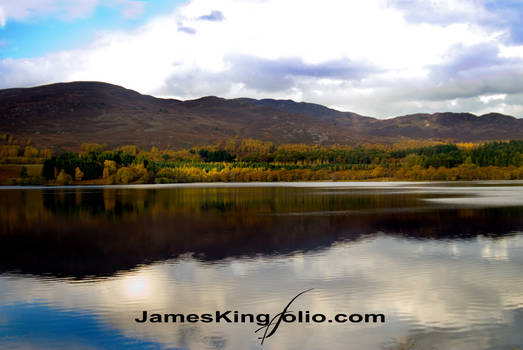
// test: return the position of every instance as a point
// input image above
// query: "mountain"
(458, 126)
(315, 110)
(67, 114)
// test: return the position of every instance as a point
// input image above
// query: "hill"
(67, 114)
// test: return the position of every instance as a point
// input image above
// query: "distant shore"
(298, 184)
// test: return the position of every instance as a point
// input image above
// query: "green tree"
(23, 172)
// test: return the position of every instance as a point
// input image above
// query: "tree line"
(253, 160)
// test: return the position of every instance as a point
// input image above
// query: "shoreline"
(298, 184)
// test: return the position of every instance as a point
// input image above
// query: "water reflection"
(447, 275)
(98, 232)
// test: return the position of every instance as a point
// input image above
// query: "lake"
(442, 262)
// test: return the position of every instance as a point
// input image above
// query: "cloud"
(2, 17)
(508, 15)
(466, 61)
(477, 70)
(214, 16)
(187, 30)
(281, 74)
(24, 10)
(441, 11)
(30, 72)
(502, 16)
(379, 58)
(27, 9)
(262, 75)
(133, 9)
(465, 72)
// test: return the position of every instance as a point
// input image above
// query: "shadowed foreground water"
(443, 262)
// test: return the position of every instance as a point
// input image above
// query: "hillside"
(457, 126)
(65, 115)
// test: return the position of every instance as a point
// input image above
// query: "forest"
(241, 160)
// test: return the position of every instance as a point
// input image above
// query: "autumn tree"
(78, 174)
(63, 178)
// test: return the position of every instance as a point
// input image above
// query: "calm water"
(442, 262)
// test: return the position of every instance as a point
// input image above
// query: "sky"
(379, 58)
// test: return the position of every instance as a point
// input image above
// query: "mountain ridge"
(67, 114)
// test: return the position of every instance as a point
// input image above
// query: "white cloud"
(371, 57)
(488, 98)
